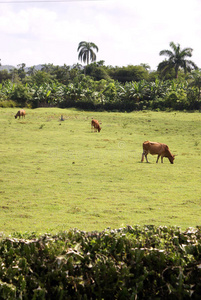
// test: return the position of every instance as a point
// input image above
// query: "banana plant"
(195, 81)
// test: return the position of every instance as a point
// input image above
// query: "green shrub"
(21, 94)
(129, 263)
(7, 103)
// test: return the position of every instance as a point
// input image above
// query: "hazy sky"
(125, 31)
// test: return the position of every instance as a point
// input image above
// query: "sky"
(127, 32)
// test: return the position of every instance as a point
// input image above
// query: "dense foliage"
(129, 263)
(104, 88)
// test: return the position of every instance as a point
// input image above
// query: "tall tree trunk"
(176, 72)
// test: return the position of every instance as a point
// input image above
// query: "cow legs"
(93, 128)
(144, 154)
(157, 158)
(146, 157)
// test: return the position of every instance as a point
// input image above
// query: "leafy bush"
(21, 94)
(7, 103)
(129, 263)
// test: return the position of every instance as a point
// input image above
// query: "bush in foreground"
(130, 263)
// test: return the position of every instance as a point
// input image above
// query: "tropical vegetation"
(69, 87)
(175, 85)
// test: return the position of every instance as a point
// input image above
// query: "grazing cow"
(158, 149)
(20, 113)
(95, 125)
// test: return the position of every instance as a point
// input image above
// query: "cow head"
(171, 158)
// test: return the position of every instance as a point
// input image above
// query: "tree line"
(174, 85)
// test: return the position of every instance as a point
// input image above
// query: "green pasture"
(56, 175)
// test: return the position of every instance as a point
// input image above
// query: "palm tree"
(86, 52)
(146, 66)
(31, 70)
(177, 59)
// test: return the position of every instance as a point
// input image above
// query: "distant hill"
(9, 67)
(37, 67)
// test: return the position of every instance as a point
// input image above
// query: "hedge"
(128, 263)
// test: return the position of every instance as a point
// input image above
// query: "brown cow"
(20, 113)
(158, 149)
(95, 125)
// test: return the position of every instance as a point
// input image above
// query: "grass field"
(58, 175)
